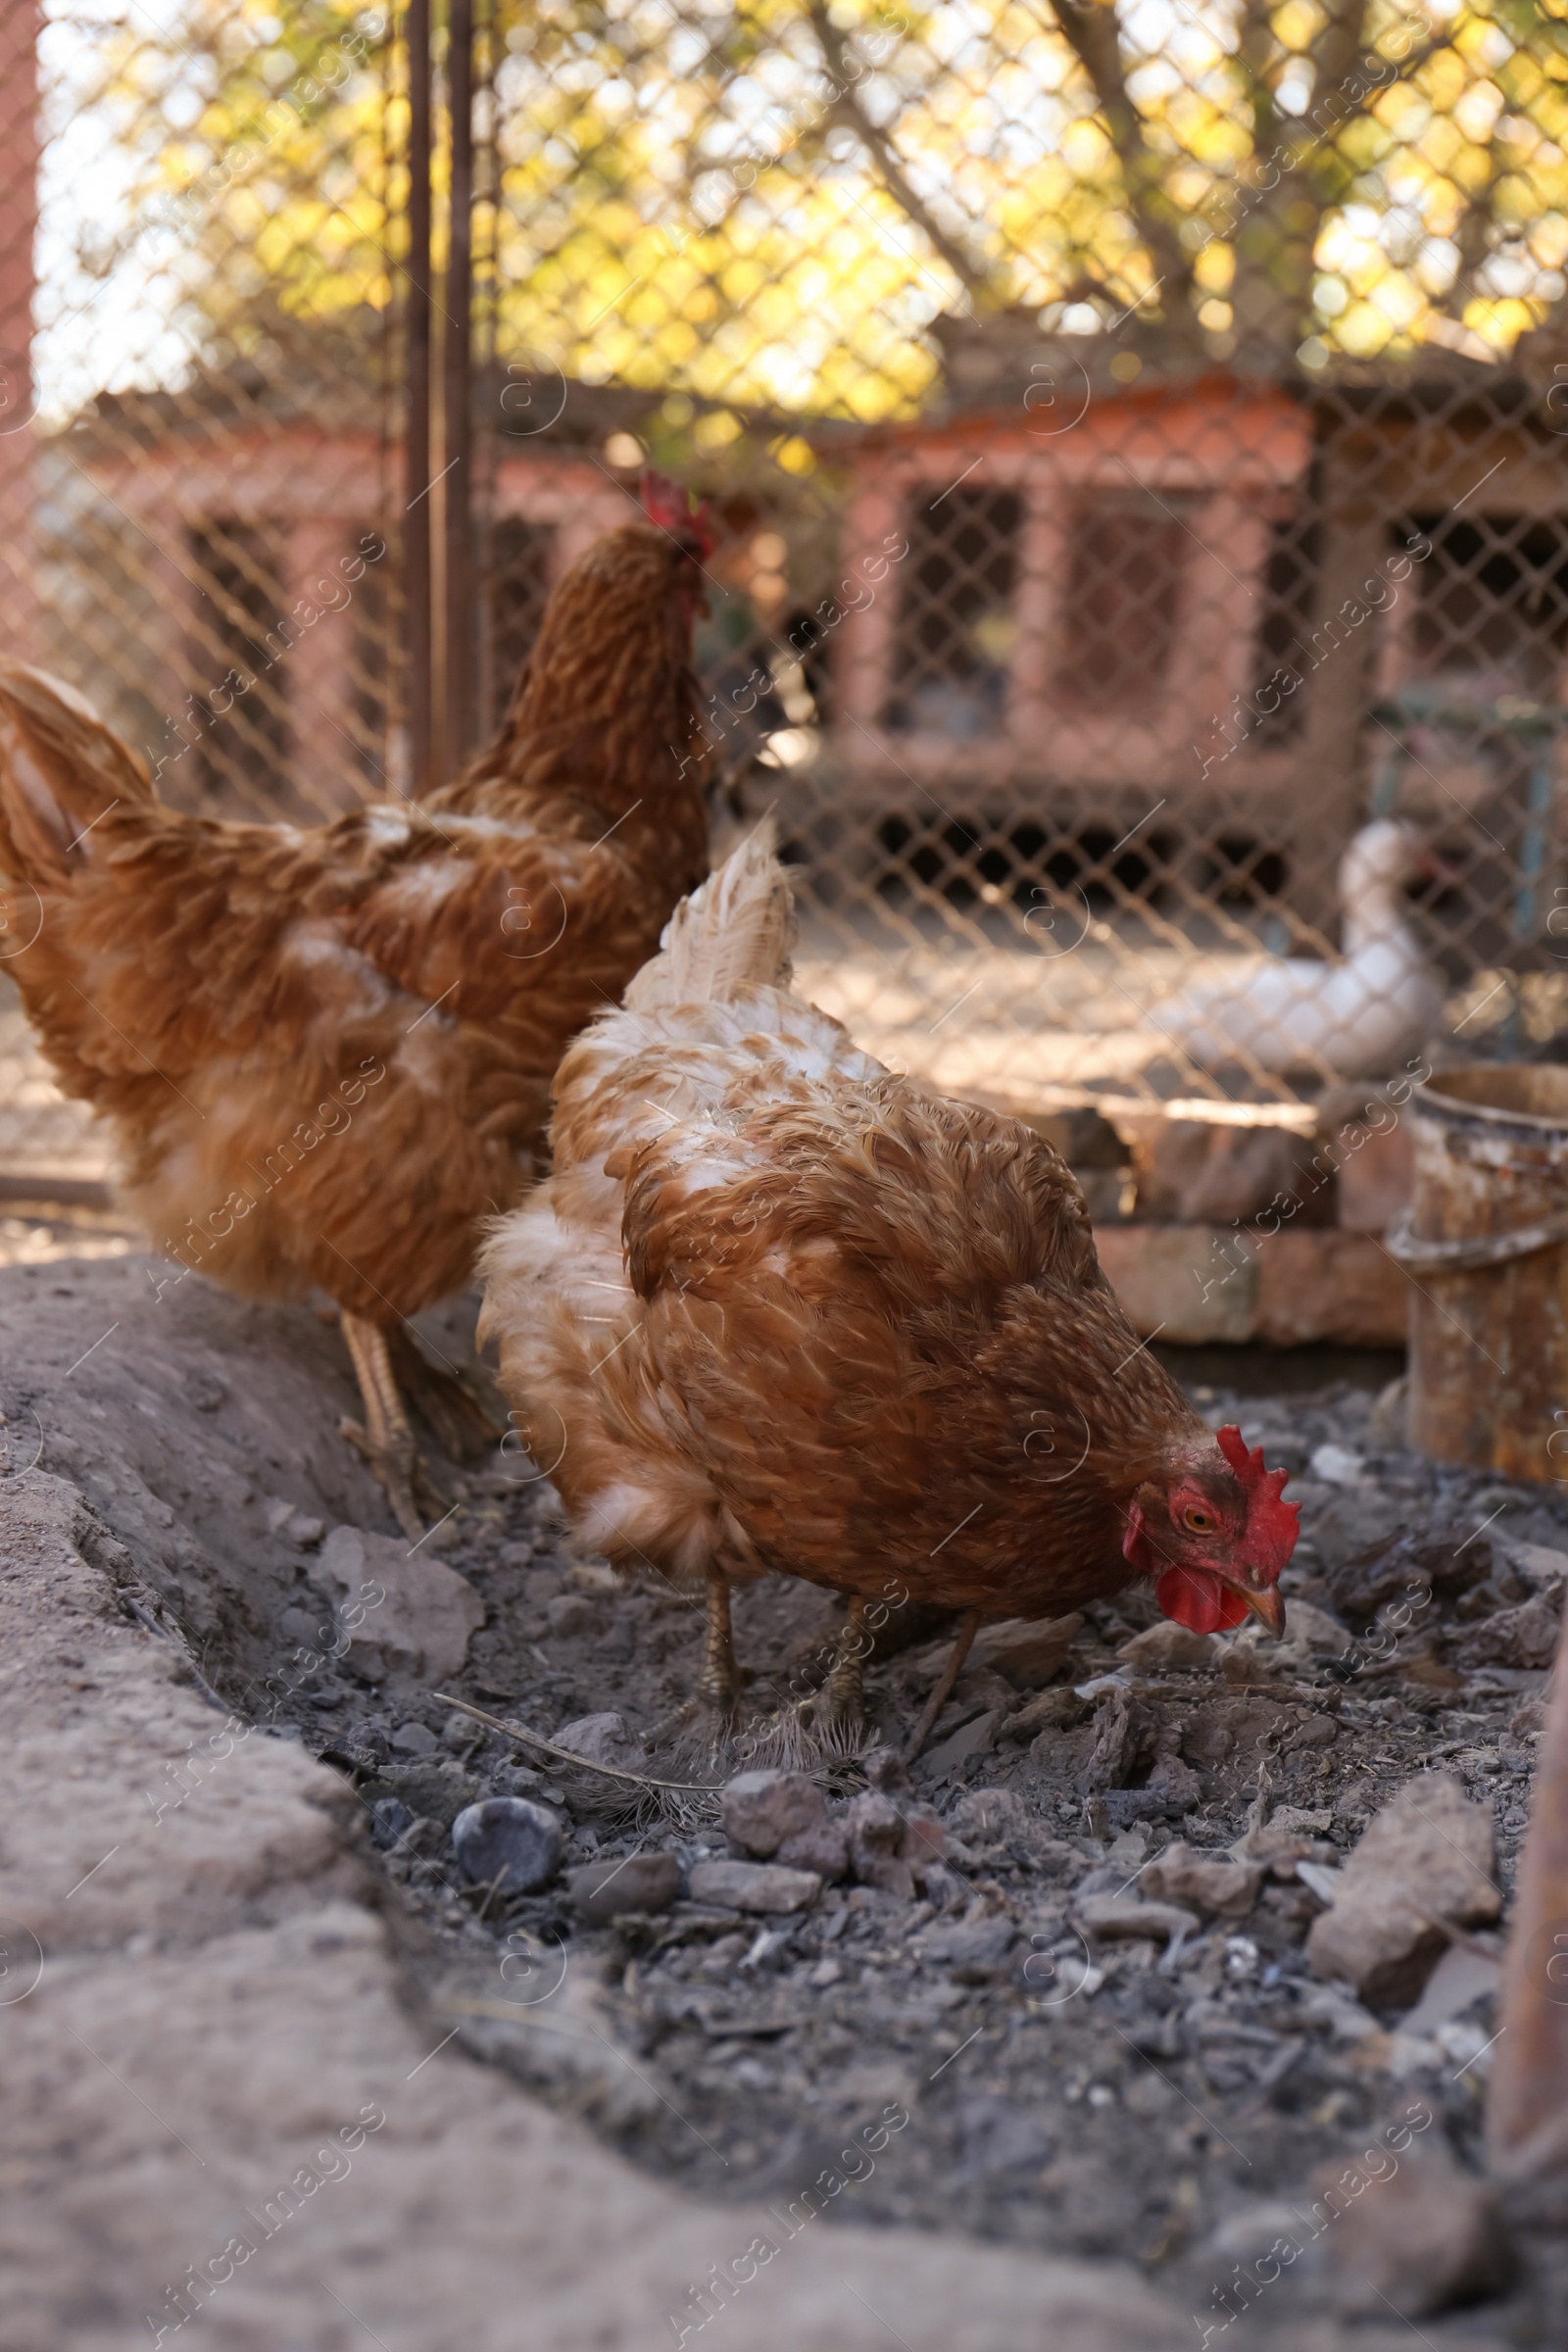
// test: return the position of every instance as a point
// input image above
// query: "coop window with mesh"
(957, 626)
(1126, 564)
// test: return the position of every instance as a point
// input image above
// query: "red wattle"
(1199, 1602)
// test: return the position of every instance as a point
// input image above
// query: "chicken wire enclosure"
(1134, 439)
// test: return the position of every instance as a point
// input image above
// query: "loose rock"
(765, 1887)
(1215, 1883)
(974, 1950)
(601, 1740)
(569, 1614)
(1419, 2242)
(600, 1891)
(1163, 1647)
(402, 1616)
(1110, 1916)
(1426, 1857)
(761, 1810)
(823, 1848)
(1026, 1655)
(1523, 1637)
(977, 1738)
(506, 1839)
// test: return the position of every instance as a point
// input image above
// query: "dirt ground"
(1173, 2101)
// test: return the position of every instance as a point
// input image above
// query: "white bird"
(1358, 1015)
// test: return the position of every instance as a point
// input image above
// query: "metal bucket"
(1485, 1245)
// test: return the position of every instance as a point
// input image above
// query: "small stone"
(1525, 1636)
(1415, 2241)
(304, 1628)
(1312, 1630)
(599, 1739)
(1113, 1916)
(974, 1950)
(765, 1887)
(1425, 1858)
(459, 1732)
(875, 1823)
(507, 1837)
(1338, 1466)
(1215, 1884)
(977, 1738)
(437, 1790)
(1044, 1719)
(414, 1739)
(390, 1821)
(1539, 1564)
(1318, 1731)
(992, 1817)
(569, 1614)
(1161, 1649)
(892, 1875)
(403, 1616)
(600, 1891)
(761, 1810)
(823, 1848)
(1027, 1654)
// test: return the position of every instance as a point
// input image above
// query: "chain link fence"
(1137, 438)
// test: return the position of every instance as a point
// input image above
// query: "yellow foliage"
(802, 282)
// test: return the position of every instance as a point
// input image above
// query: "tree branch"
(1091, 31)
(846, 108)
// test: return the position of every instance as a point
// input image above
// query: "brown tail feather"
(61, 772)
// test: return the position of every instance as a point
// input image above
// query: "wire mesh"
(1136, 435)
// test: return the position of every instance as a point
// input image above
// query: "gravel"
(1078, 2080)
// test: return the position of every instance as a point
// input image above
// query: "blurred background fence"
(1137, 434)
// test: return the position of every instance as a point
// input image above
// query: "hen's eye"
(1200, 1522)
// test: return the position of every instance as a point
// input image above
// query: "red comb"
(667, 504)
(1272, 1526)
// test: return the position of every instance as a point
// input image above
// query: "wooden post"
(417, 599)
(19, 220)
(457, 479)
(1527, 2096)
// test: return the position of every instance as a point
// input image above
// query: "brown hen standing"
(326, 1052)
(778, 1309)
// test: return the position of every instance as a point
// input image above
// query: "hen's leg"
(838, 1711)
(719, 1688)
(386, 1438)
(943, 1690)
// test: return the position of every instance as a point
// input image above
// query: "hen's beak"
(1266, 1604)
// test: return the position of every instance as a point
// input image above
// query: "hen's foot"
(700, 1733)
(385, 1438)
(835, 1716)
(828, 1725)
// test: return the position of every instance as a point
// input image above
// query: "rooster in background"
(778, 1309)
(324, 1054)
